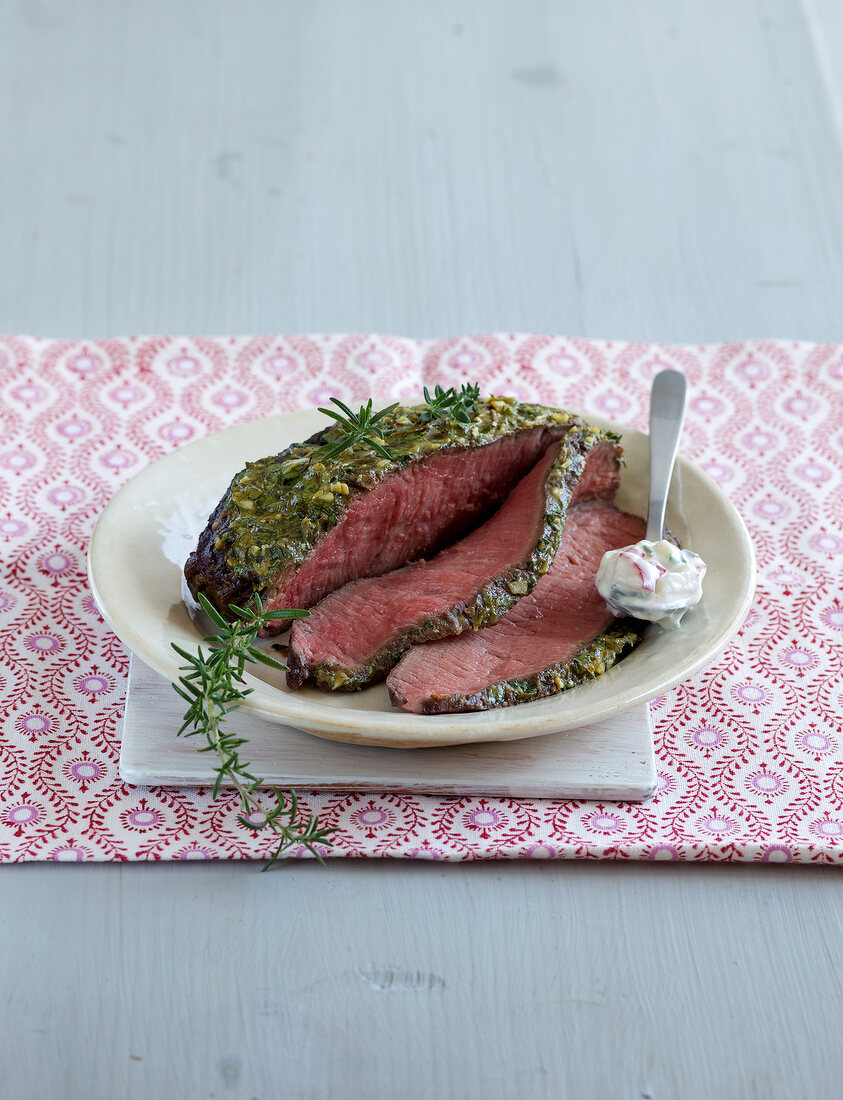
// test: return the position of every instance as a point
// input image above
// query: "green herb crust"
(277, 509)
(492, 601)
(592, 661)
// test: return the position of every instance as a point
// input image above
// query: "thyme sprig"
(363, 427)
(459, 405)
(213, 687)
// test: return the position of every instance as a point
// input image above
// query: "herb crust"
(277, 509)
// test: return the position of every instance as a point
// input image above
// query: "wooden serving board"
(610, 760)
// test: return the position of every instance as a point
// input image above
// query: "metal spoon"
(644, 580)
(667, 412)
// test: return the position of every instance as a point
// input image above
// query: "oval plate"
(146, 532)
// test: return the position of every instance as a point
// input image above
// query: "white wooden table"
(655, 170)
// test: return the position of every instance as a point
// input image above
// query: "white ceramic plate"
(143, 537)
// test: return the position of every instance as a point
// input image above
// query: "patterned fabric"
(749, 753)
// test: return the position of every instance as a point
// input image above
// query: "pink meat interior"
(412, 514)
(563, 613)
(601, 476)
(350, 626)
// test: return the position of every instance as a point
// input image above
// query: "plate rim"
(366, 727)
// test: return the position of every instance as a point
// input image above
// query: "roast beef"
(560, 635)
(296, 526)
(358, 633)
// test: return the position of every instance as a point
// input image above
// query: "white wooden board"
(609, 760)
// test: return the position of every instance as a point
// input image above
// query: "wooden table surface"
(658, 169)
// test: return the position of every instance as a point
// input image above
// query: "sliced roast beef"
(560, 635)
(422, 508)
(294, 527)
(357, 634)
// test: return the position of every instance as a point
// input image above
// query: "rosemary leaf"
(211, 686)
(458, 405)
(363, 427)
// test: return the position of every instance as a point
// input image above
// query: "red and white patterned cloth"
(749, 753)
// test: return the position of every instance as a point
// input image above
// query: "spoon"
(667, 412)
(654, 579)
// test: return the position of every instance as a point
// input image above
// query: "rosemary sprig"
(362, 427)
(212, 687)
(459, 405)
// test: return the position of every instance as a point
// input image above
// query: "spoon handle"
(667, 411)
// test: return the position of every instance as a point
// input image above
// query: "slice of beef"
(357, 634)
(295, 526)
(412, 514)
(559, 636)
